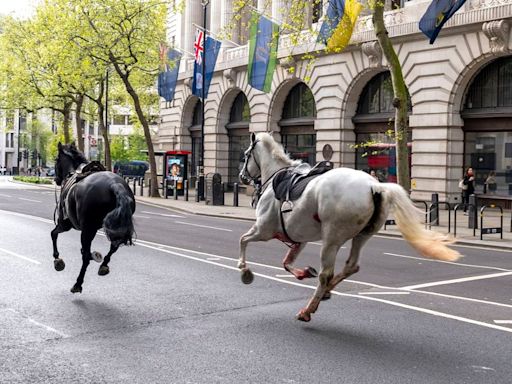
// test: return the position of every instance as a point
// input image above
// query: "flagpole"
(200, 170)
(214, 35)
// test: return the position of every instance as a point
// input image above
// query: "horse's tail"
(428, 243)
(118, 223)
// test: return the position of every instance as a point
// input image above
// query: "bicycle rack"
(471, 206)
(490, 230)
(446, 204)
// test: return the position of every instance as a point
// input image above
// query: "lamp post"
(18, 143)
(200, 168)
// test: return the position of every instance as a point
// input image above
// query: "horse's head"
(68, 160)
(251, 169)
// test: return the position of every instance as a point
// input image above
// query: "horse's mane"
(276, 150)
(77, 156)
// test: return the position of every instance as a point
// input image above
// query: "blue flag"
(263, 40)
(168, 78)
(211, 53)
(437, 14)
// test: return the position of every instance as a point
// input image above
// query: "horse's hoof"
(96, 256)
(240, 265)
(76, 289)
(327, 296)
(310, 272)
(303, 316)
(104, 270)
(247, 276)
(59, 264)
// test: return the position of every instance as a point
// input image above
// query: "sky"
(17, 8)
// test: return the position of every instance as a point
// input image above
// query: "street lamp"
(200, 168)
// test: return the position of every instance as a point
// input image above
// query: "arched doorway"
(195, 136)
(375, 142)
(487, 112)
(298, 134)
(238, 136)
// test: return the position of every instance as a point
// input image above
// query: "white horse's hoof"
(247, 276)
(240, 265)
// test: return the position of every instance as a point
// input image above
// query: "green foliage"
(33, 179)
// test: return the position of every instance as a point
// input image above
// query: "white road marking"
(141, 217)
(461, 280)
(9, 196)
(204, 226)
(34, 201)
(20, 256)
(48, 328)
(393, 303)
(448, 262)
(213, 258)
(162, 214)
(503, 321)
(385, 293)
(286, 276)
(28, 216)
(320, 244)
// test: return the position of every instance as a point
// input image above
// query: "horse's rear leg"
(328, 259)
(61, 227)
(86, 238)
(104, 269)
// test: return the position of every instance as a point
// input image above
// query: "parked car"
(50, 172)
(133, 168)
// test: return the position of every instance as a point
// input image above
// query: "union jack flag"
(199, 47)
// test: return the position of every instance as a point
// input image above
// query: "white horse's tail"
(428, 243)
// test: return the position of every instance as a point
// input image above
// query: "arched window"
(487, 130)
(239, 136)
(195, 134)
(375, 144)
(297, 124)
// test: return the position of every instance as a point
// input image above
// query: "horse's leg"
(290, 258)
(351, 265)
(252, 235)
(86, 238)
(104, 269)
(328, 259)
(61, 227)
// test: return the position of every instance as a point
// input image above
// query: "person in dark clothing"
(469, 181)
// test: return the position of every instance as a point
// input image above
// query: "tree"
(294, 23)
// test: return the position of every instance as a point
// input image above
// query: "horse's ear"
(253, 137)
(59, 146)
(73, 144)
(271, 133)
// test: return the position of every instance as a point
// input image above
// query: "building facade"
(460, 97)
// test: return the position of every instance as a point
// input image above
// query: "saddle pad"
(291, 184)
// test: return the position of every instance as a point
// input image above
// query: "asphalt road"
(173, 309)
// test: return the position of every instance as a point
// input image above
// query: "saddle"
(290, 183)
(80, 173)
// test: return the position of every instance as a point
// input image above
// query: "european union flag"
(437, 14)
(168, 78)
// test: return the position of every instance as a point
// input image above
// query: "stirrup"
(287, 206)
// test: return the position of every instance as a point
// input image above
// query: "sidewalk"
(464, 235)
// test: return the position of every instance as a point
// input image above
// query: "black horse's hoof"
(59, 264)
(104, 270)
(310, 272)
(76, 289)
(247, 276)
(96, 256)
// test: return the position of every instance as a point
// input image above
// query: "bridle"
(246, 175)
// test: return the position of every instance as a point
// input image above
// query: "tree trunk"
(66, 113)
(140, 114)
(400, 102)
(101, 124)
(78, 121)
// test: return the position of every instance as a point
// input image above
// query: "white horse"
(336, 206)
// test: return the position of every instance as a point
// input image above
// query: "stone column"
(193, 14)
(279, 9)
(215, 15)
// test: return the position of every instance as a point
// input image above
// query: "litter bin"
(214, 189)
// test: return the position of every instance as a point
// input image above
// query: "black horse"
(91, 198)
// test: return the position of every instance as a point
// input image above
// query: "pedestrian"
(468, 183)
(490, 182)
(374, 175)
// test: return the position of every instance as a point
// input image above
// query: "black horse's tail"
(118, 223)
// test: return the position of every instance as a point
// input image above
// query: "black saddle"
(289, 184)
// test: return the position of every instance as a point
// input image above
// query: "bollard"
(134, 186)
(235, 195)
(175, 189)
(197, 190)
(149, 190)
(141, 183)
(473, 215)
(434, 210)
(165, 188)
(186, 189)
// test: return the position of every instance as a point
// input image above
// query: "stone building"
(460, 89)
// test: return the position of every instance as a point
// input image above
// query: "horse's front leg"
(290, 258)
(86, 238)
(62, 226)
(104, 269)
(252, 235)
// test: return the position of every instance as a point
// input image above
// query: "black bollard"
(149, 189)
(134, 186)
(166, 192)
(235, 194)
(141, 183)
(186, 189)
(175, 189)
(197, 190)
(434, 212)
(473, 214)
